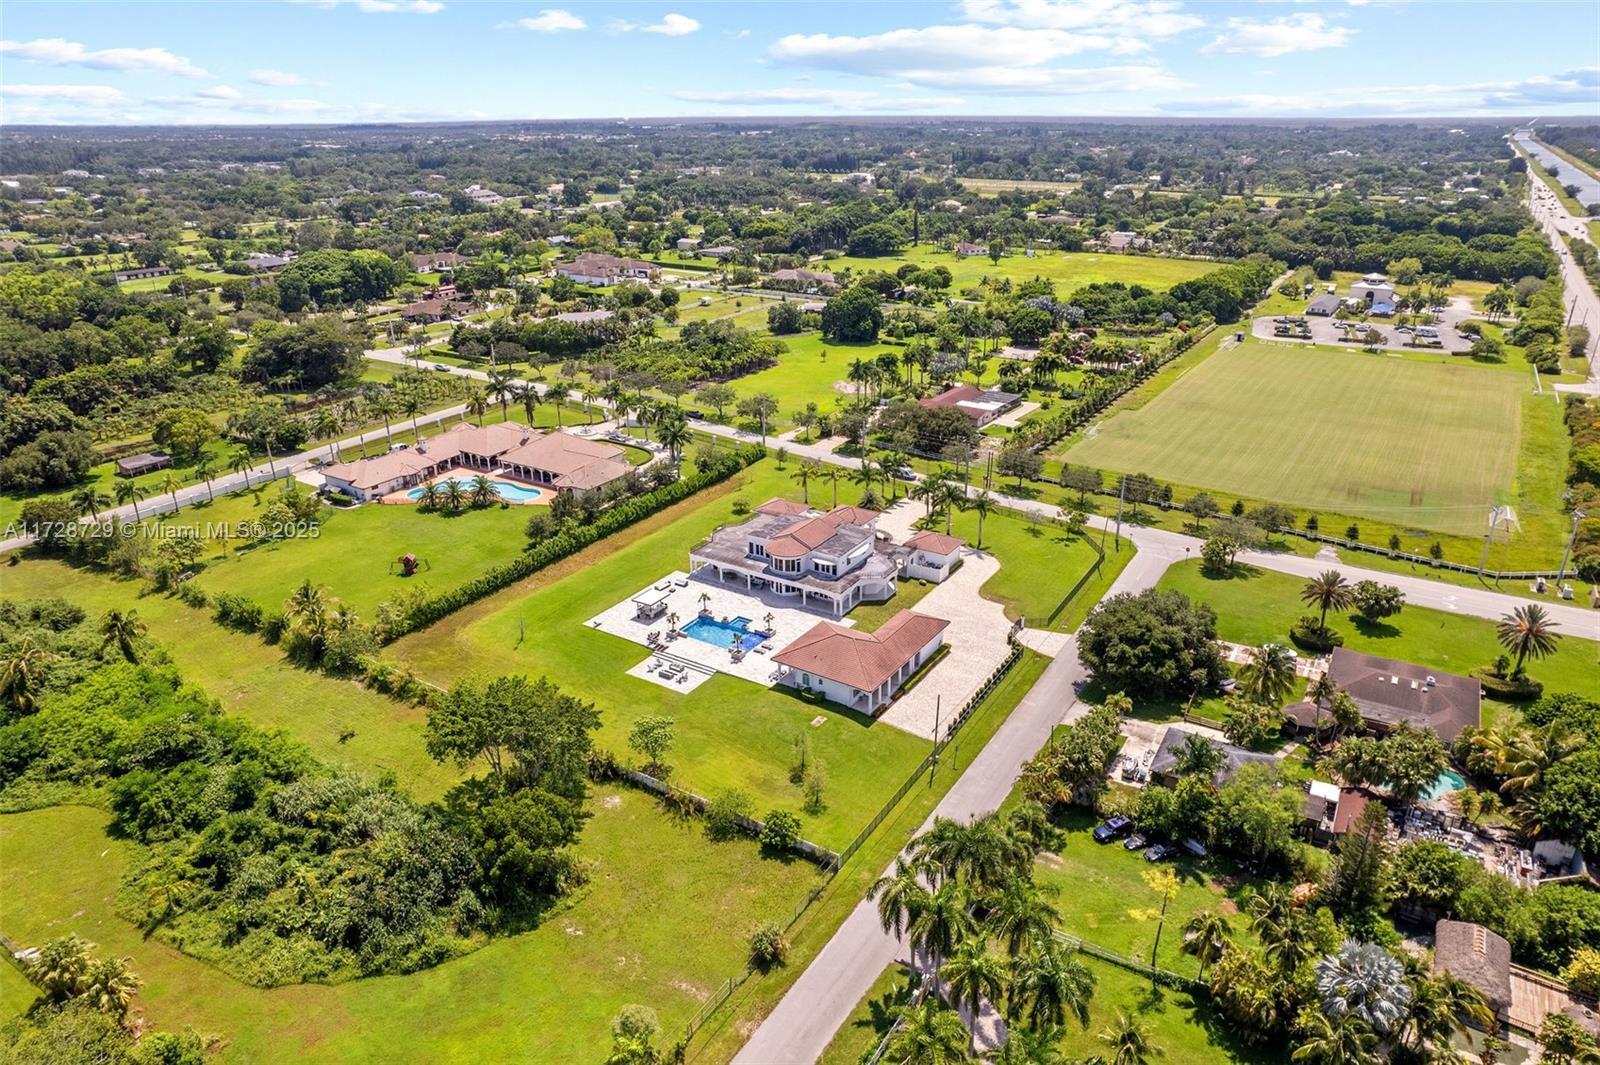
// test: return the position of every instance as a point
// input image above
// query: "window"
(826, 567)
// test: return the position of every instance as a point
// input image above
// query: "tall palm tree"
(557, 394)
(123, 628)
(943, 921)
(411, 403)
(929, 1034)
(90, 498)
(973, 973)
(978, 852)
(1366, 982)
(109, 985)
(59, 966)
(802, 475)
(1206, 937)
(980, 504)
(382, 406)
(1129, 1040)
(1020, 916)
(1329, 591)
(170, 484)
(1528, 632)
(502, 386)
(1268, 677)
(528, 395)
(1345, 1041)
(205, 471)
(1527, 755)
(128, 492)
(834, 474)
(477, 404)
(1280, 925)
(1318, 692)
(1047, 983)
(327, 424)
(949, 497)
(21, 674)
(239, 461)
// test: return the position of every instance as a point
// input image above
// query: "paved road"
(1582, 301)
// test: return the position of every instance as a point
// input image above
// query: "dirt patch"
(694, 991)
(612, 802)
(1228, 907)
(1051, 860)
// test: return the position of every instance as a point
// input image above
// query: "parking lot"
(1332, 331)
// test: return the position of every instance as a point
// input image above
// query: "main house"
(593, 268)
(549, 459)
(1390, 694)
(829, 561)
(1376, 292)
(982, 406)
(860, 670)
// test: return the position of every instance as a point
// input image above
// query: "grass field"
(664, 917)
(1069, 270)
(1357, 434)
(1259, 606)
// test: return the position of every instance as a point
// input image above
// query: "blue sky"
(414, 60)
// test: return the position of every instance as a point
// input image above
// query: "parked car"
(1112, 828)
(1158, 852)
(903, 473)
(694, 413)
(1402, 329)
(1135, 842)
(1194, 847)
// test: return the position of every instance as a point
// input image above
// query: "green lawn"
(1069, 270)
(1360, 434)
(665, 916)
(16, 992)
(1260, 606)
(810, 372)
(871, 1020)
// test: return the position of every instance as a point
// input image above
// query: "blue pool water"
(732, 633)
(510, 491)
(1445, 783)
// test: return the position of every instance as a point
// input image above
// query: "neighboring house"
(982, 406)
(934, 555)
(967, 251)
(487, 197)
(424, 194)
(1324, 306)
(594, 268)
(429, 262)
(1331, 811)
(584, 316)
(559, 240)
(861, 670)
(1477, 957)
(142, 272)
(145, 462)
(1163, 770)
(554, 459)
(260, 260)
(1376, 292)
(801, 280)
(688, 243)
(433, 310)
(719, 251)
(1390, 694)
(1123, 241)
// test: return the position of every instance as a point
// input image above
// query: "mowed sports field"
(1415, 443)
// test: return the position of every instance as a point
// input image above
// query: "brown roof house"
(1392, 693)
(593, 268)
(1476, 956)
(430, 261)
(861, 670)
(934, 555)
(981, 405)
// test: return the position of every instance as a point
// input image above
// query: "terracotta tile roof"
(782, 506)
(562, 455)
(863, 660)
(935, 543)
(796, 540)
(381, 469)
(844, 514)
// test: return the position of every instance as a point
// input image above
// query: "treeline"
(1222, 295)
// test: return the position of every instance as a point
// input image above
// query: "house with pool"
(1391, 693)
(530, 463)
(828, 561)
(861, 670)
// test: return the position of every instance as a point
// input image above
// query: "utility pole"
(1577, 516)
(1488, 538)
(1122, 492)
(933, 768)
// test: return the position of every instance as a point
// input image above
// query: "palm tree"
(382, 406)
(1199, 757)
(59, 967)
(1268, 677)
(327, 424)
(1527, 755)
(171, 484)
(978, 852)
(428, 499)
(930, 1034)
(1032, 1046)
(21, 674)
(1280, 925)
(306, 602)
(1206, 937)
(1047, 983)
(123, 628)
(556, 394)
(980, 504)
(411, 404)
(674, 432)
(483, 491)
(454, 497)
(502, 386)
(529, 397)
(1129, 1040)
(128, 492)
(802, 475)
(973, 973)
(834, 474)
(1020, 916)
(943, 921)
(949, 496)
(1328, 590)
(109, 986)
(1318, 692)
(239, 462)
(90, 498)
(1345, 1041)
(477, 404)
(1366, 982)
(1528, 631)
(205, 471)
(859, 373)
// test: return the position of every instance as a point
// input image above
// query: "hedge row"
(574, 539)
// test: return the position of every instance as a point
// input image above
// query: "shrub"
(815, 803)
(191, 594)
(727, 813)
(1510, 689)
(780, 831)
(237, 612)
(1309, 635)
(768, 945)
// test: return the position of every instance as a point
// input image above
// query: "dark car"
(697, 415)
(1158, 852)
(1135, 842)
(1113, 828)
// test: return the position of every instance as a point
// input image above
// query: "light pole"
(1577, 516)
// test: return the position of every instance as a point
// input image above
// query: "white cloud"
(220, 92)
(380, 7)
(1470, 98)
(59, 52)
(1300, 32)
(671, 25)
(86, 95)
(265, 76)
(224, 98)
(1136, 18)
(852, 100)
(552, 20)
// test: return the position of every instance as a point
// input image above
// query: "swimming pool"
(510, 491)
(732, 633)
(1445, 783)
